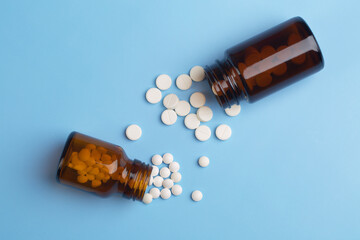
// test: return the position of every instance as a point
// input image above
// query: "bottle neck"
(225, 81)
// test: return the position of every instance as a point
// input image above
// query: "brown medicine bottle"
(100, 167)
(265, 63)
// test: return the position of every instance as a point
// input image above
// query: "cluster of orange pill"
(91, 165)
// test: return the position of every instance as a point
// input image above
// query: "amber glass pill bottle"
(102, 168)
(265, 63)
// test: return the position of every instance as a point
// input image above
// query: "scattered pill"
(191, 121)
(204, 114)
(223, 132)
(158, 181)
(182, 108)
(165, 193)
(147, 198)
(156, 160)
(164, 172)
(176, 177)
(170, 101)
(133, 132)
(151, 180)
(163, 82)
(168, 183)
(197, 99)
(196, 195)
(168, 158)
(168, 117)
(176, 190)
(233, 111)
(155, 171)
(183, 82)
(155, 193)
(153, 95)
(174, 166)
(203, 161)
(203, 133)
(197, 73)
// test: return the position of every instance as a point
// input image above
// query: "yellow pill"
(80, 166)
(100, 176)
(96, 154)
(84, 154)
(94, 171)
(95, 183)
(70, 165)
(81, 172)
(106, 178)
(90, 177)
(105, 157)
(101, 149)
(90, 162)
(74, 154)
(104, 169)
(82, 179)
(90, 146)
(88, 169)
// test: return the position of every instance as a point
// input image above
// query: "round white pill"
(168, 158)
(196, 195)
(147, 198)
(171, 101)
(183, 82)
(233, 111)
(204, 114)
(176, 190)
(168, 183)
(191, 121)
(204, 161)
(164, 172)
(168, 117)
(163, 82)
(155, 171)
(223, 132)
(151, 181)
(155, 193)
(176, 177)
(197, 73)
(165, 193)
(156, 159)
(197, 99)
(203, 133)
(158, 181)
(153, 95)
(133, 132)
(183, 108)
(174, 166)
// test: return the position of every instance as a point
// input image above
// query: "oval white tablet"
(182, 108)
(191, 121)
(176, 177)
(158, 181)
(153, 95)
(183, 82)
(204, 114)
(204, 161)
(147, 198)
(174, 167)
(197, 73)
(168, 158)
(171, 101)
(197, 99)
(133, 132)
(168, 117)
(176, 190)
(155, 170)
(164, 172)
(165, 193)
(233, 111)
(156, 160)
(203, 133)
(155, 193)
(223, 132)
(196, 195)
(168, 183)
(163, 82)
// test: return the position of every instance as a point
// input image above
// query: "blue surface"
(291, 170)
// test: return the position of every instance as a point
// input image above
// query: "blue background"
(291, 170)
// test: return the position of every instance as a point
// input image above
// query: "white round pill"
(151, 181)
(197, 73)
(197, 99)
(191, 121)
(174, 166)
(196, 195)
(176, 190)
(153, 95)
(155, 193)
(171, 101)
(163, 82)
(147, 198)
(204, 161)
(164, 172)
(168, 158)
(168, 183)
(156, 159)
(203, 133)
(183, 108)
(133, 132)
(183, 82)
(165, 193)
(176, 177)
(155, 171)
(233, 111)
(223, 132)
(204, 114)
(168, 117)
(158, 181)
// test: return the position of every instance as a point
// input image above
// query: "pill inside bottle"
(265, 63)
